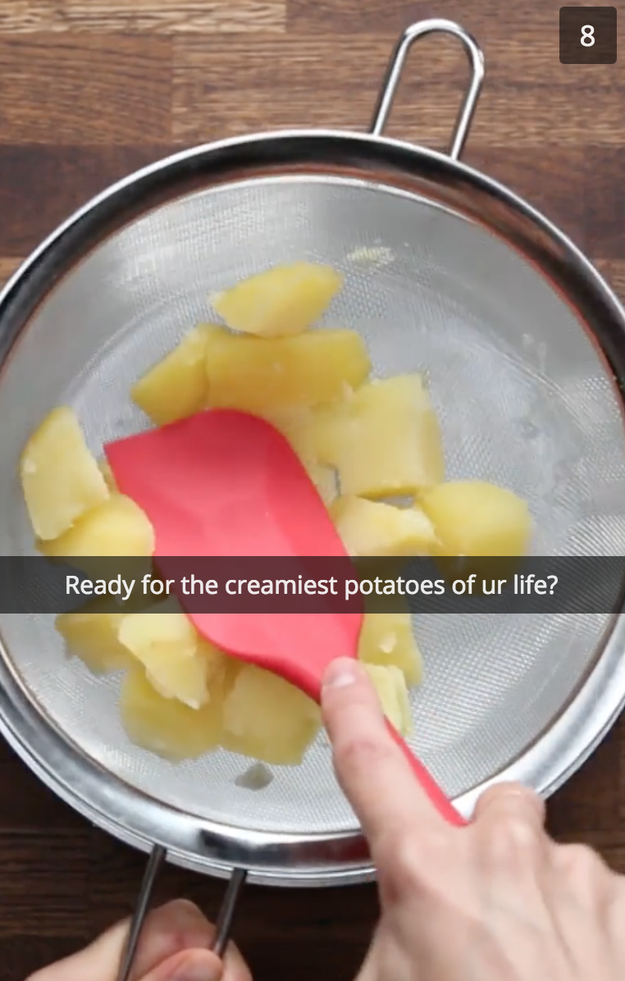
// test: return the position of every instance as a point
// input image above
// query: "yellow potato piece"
(255, 374)
(219, 665)
(297, 425)
(118, 527)
(475, 518)
(165, 726)
(268, 719)
(177, 386)
(388, 640)
(369, 528)
(324, 479)
(166, 644)
(390, 685)
(280, 302)
(385, 440)
(92, 636)
(107, 473)
(60, 477)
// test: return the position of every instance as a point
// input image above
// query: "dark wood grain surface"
(91, 89)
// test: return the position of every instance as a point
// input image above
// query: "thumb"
(201, 965)
(372, 770)
(189, 965)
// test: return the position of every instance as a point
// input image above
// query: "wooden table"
(91, 89)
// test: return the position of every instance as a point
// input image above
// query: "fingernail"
(342, 672)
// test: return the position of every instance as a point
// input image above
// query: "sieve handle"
(222, 927)
(142, 906)
(394, 70)
(227, 911)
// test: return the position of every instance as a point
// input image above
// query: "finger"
(188, 965)
(582, 890)
(176, 926)
(509, 820)
(372, 770)
(371, 967)
(510, 800)
(513, 852)
(582, 875)
(201, 965)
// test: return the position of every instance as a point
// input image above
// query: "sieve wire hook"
(155, 863)
(227, 911)
(224, 919)
(395, 67)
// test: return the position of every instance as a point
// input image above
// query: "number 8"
(588, 36)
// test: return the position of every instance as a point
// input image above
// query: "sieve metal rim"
(319, 859)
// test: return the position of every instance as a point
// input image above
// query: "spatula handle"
(440, 801)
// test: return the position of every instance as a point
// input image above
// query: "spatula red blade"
(225, 483)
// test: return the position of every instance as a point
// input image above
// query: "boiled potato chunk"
(117, 527)
(177, 386)
(268, 719)
(60, 477)
(255, 374)
(324, 479)
(109, 477)
(165, 726)
(385, 440)
(369, 528)
(280, 302)
(218, 664)
(475, 518)
(92, 636)
(167, 646)
(297, 425)
(387, 639)
(390, 685)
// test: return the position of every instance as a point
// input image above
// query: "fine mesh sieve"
(446, 272)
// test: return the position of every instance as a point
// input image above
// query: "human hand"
(496, 901)
(174, 946)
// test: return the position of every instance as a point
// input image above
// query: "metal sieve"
(446, 271)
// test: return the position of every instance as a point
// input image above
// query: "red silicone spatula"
(226, 483)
